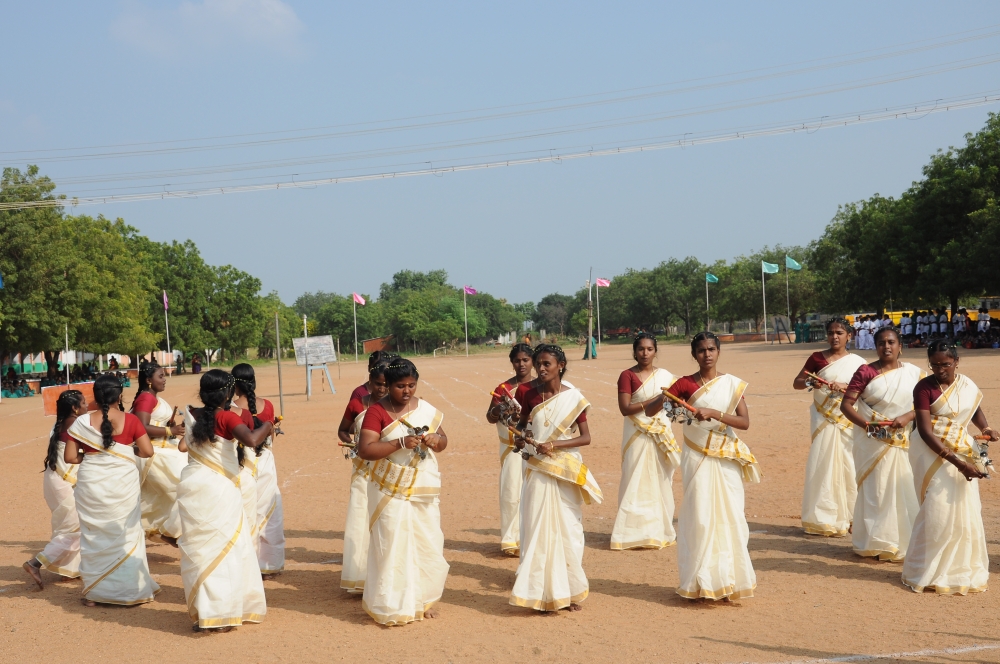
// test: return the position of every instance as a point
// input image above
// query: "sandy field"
(815, 601)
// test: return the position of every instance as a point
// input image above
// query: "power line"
(919, 110)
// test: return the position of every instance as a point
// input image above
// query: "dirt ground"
(815, 599)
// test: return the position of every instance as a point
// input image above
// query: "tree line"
(102, 280)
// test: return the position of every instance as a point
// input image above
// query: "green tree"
(553, 312)
(235, 310)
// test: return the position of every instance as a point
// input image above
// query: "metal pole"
(590, 315)
(277, 345)
(66, 356)
(167, 322)
(598, 315)
(465, 307)
(763, 293)
(708, 324)
(305, 348)
(338, 358)
(788, 301)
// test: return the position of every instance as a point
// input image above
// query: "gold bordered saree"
(62, 554)
(222, 581)
(511, 478)
(947, 551)
(650, 455)
(831, 487)
(355, 568)
(406, 566)
(712, 530)
(158, 476)
(550, 574)
(887, 503)
(112, 543)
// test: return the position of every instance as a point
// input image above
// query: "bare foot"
(212, 630)
(268, 577)
(430, 613)
(87, 603)
(574, 607)
(34, 572)
(172, 541)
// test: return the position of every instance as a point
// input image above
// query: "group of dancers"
(207, 485)
(892, 463)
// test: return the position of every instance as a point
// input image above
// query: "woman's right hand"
(177, 430)
(970, 471)
(410, 442)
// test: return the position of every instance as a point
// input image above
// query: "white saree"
(62, 554)
(947, 551)
(222, 582)
(406, 565)
(355, 569)
(270, 513)
(887, 502)
(112, 542)
(550, 573)
(650, 455)
(511, 476)
(158, 477)
(831, 484)
(712, 532)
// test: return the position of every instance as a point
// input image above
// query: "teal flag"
(769, 268)
(792, 264)
(711, 278)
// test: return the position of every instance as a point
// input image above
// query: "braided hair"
(517, 349)
(704, 336)
(886, 330)
(107, 391)
(379, 357)
(838, 320)
(215, 391)
(146, 372)
(67, 402)
(942, 346)
(553, 350)
(246, 381)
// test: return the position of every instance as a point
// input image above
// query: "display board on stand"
(315, 353)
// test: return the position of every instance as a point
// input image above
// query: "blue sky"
(380, 87)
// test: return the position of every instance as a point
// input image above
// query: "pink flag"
(469, 290)
(165, 307)
(603, 283)
(360, 300)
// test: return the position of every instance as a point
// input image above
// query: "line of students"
(113, 479)
(893, 463)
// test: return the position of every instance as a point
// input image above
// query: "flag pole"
(355, 303)
(788, 301)
(598, 315)
(66, 356)
(465, 307)
(166, 321)
(305, 350)
(763, 293)
(277, 346)
(708, 323)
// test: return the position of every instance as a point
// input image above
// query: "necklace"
(546, 410)
(396, 412)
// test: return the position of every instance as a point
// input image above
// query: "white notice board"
(320, 350)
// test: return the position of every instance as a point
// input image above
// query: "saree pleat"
(62, 554)
(219, 568)
(112, 542)
(947, 552)
(511, 477)
(355, 569)
(831, 487)
(887, 503)
(406, 566)
(650, 455)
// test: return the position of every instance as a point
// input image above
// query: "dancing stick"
(678, 400)
(825, 383)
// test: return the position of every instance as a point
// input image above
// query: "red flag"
(360, 300)
(165, 307)
(603, 283)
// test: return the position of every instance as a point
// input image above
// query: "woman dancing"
(62, 554)
(510, 464)
(355, 568)
(712, 533)
(948, 548)
(831, 487)
(650, 455)
(112, 542)
(402, 435)
(160, 473)
(222, 580)
(879, 402)
(553, 421)
(270, 525)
